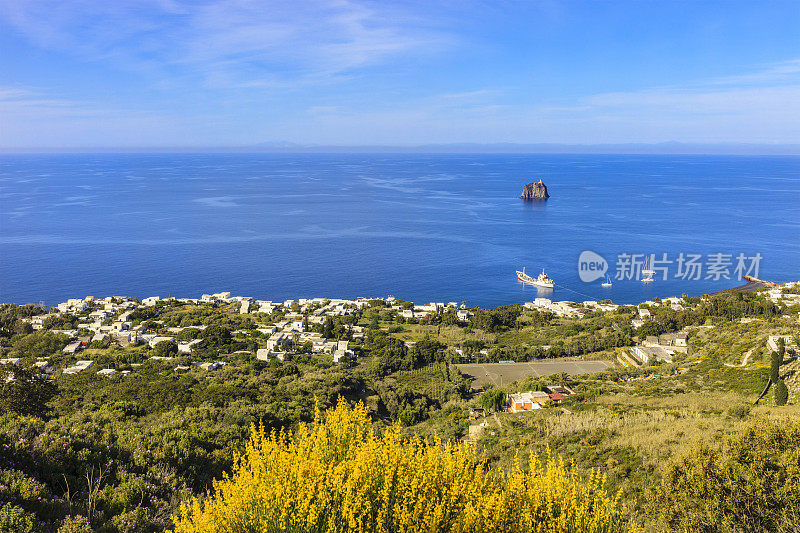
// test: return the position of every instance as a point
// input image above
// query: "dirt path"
(745, 359)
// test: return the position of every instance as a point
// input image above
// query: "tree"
(327, 328)
(781, 393)
(423, 353)
(651, 327)
(23, 392)
(216, 337)
(187, 334)
(493, 399)
(775, 365)
(165, 349)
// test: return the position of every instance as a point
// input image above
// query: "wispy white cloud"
(252, 54)
(782, 72)
(700, 111)
(31, 119)
(229, 43)
(16, 101)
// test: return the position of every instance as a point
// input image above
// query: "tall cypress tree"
(781, 393)
(774, 369)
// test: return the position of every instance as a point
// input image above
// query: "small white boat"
(543, 280)
(647, 273)
(607, 282)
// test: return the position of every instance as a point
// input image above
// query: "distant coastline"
(664, 148)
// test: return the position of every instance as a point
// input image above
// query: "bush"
(75, 524)
(337, 475)
(15, 519)
(740, 411)
(651, 327)
(753, 484)
(23, 392)
(165, 349)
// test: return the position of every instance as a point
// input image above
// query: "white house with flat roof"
(79, 366)
(788, 340)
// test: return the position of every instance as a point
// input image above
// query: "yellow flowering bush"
(336, 474)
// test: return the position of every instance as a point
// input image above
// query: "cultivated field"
(503, 373)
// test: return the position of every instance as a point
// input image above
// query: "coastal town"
(162, 391)
(279, 331)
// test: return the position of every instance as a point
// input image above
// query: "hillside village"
(167, 388)
(279, 330)
(113, 320)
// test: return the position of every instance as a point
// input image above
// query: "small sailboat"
(607, 282)
(543, 280)
(647, 272)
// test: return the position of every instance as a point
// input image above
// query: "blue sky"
(235, 72)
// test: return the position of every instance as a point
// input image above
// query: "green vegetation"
(84, 452)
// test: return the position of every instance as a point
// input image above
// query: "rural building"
(526, 401)
(79, 366)
(650, 354)
(772, 342)
(187, 347)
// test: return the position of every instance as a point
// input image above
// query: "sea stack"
(535, 191)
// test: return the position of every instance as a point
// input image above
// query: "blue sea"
(419, 227)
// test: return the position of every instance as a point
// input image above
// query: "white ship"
(607, 282)
(543, 280)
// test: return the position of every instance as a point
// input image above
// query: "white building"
(79, 366)
(788, 340)
(72, 347)
(188, 346)
(526, 401)
(156, 339)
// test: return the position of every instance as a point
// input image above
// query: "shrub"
(338, 475)
(739, 411)
(15, 519)
(753, 484)
(23, 392)
(75, 524)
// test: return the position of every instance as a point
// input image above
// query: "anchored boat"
(647, 272)
(543, 280)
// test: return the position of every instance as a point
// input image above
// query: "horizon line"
(632, 148)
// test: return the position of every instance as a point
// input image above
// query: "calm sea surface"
(420, 227)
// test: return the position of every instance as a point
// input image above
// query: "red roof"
(556, 396)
